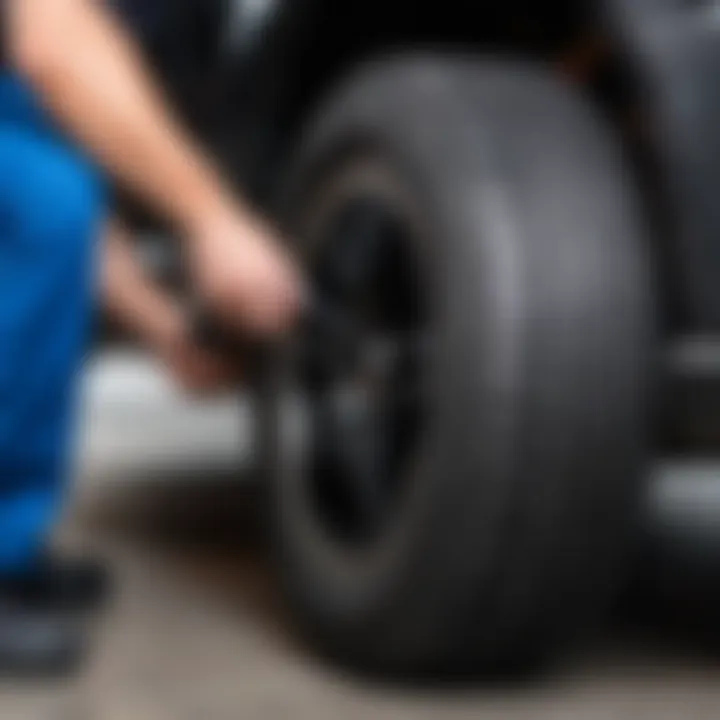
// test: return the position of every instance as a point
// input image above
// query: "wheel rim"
(360, 372)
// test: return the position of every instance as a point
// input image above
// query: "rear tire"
(524, 484)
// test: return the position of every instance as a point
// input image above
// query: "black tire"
(526, 483)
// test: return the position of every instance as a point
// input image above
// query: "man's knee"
(53, 199)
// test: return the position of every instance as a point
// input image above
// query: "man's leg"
(50, 216)
(51, 211)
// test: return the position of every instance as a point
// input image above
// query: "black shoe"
(78, 585)
(40, 642)
(85, 584)
(43, 616)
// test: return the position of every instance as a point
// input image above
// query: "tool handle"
(325, 335)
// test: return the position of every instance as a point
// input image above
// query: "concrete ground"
(198, 633)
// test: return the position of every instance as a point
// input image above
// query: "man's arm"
(90, 75)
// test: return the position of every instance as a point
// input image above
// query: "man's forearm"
(89, 73)
(91, 76)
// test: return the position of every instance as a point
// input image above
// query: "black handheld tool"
(325, 337)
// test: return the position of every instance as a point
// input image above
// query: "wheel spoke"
(353, 258)
(356, 444)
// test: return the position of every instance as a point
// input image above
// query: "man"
(75, 62)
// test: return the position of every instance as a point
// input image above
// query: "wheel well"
(317, 42)
(320, 41)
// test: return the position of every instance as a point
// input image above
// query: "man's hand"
(158, 321)
(246, 277)
(194, 369)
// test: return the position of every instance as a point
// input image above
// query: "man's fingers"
(248, 279)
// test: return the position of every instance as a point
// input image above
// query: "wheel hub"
(359, 370)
